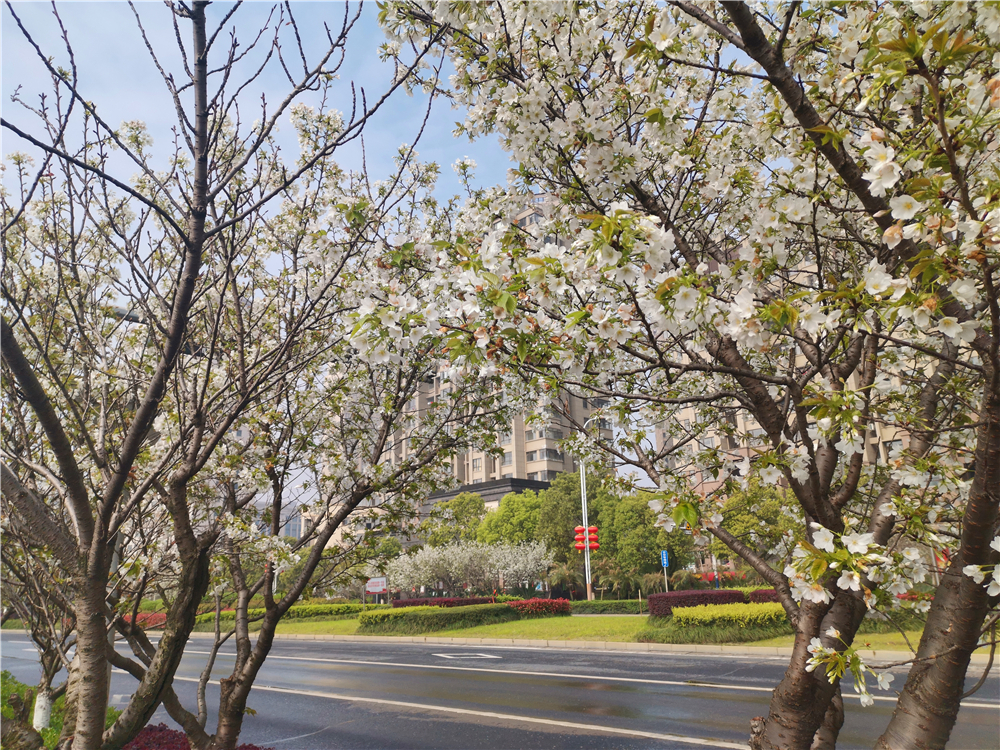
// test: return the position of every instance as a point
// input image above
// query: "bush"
(663, 605)
(725, 615)
(162, 737)
(508, 598)
(148, 620)
(610, 607)
(300, 612)
(541, 607)
(762, 595)
(444, 601)
(413, 620)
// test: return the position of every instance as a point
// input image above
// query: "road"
(345, 695)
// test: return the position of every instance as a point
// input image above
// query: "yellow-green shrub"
(741, 615)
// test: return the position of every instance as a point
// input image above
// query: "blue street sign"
(664, 558)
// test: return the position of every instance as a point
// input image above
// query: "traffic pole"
(586, 547)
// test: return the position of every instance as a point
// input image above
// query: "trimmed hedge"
(151, 620)
(762, 595)
(300, 612)
(427, 619)
(541, 607)
(663, 605)
(762, 615)
(443, 601)
(611, 607)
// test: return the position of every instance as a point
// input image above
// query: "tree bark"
(929, 704)
(159, 674)
(92, 665)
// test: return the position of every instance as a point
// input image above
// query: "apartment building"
(747, 439)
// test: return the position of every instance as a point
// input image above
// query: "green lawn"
(607, 628)
(318, 626)
(876, 641)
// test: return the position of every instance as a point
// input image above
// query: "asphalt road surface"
(344, 695)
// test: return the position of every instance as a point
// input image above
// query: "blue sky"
(118, 75)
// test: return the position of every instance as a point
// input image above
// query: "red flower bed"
(763, 595)
(442, 601)
(148, 619)
(662, 605)
(542, 607)
(162, 737)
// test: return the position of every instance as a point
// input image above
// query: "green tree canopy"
(516, 520)
(455, 520)
(757, 517)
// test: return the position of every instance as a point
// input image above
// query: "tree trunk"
(43, 709)
(159, 674)
(69, 711)
(806, 709)
(826, 736)
(91, 652)
(929, 704)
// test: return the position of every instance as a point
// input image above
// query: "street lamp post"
(586, 546)
(586, 524)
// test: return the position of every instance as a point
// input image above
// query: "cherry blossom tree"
(779, 218)
(143, 316)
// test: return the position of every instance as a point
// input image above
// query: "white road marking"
(505, 717)
(467, 656)
(299, 736)
(672, 683)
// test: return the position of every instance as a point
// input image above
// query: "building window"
(529, 434)
(604, 424)
(758, 435)
(508, 459)
(506, 475)
(549, 454)
(547, 476)
(505, 439)
(531, 455)
(892, 446)
(477, 480)
(533, 476)
(553, 434)
(477, 464)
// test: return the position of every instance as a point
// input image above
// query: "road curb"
(661, 648)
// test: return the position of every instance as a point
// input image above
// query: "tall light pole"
(586, 544)
(586, 524)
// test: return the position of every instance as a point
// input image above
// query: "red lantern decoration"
(594, 545)
(592, 529)
(579, 546)
(579, 529)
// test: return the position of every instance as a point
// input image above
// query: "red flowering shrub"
(542, 607)
(763, 595)
(662, 605)
(162, 737)
(148, 619)
(443, 601)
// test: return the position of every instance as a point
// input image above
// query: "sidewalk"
(874, 657)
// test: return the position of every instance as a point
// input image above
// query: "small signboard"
(376, 586)
(664, 558)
